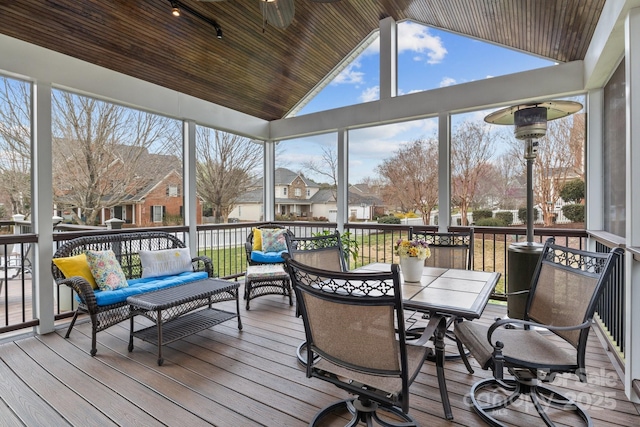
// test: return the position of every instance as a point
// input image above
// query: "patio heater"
(530, 122)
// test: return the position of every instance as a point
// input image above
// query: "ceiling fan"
(278, 13)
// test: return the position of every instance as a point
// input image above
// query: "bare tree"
(509, 187)
(472, 146)
(560, 158)
(411, 177)
(326, 166)
(101, 153)
(15, 145)
(226, 167)
(556, 162)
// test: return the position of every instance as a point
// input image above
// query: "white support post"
(594, 152)
(388, 58)
(444, 172)
(343, 179)
(190, 201)
(632, 277)
(42, 201)
(268, 182)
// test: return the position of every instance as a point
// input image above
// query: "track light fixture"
(175, 10)
(177, 7)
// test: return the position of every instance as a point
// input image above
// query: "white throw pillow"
(165, 262)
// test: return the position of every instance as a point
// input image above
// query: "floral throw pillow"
(106, 270)
(273, 239)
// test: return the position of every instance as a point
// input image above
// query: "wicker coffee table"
(175, 311)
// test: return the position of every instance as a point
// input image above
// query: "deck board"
(226, 377)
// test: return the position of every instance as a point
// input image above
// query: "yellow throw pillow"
(76, 266)
(257, 239)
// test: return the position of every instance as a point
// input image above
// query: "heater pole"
(530, 153)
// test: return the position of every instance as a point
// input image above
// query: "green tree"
(573, 191)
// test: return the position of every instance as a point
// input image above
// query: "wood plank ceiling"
(262, 70)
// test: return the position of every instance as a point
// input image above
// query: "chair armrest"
(84, 291)
(520, 292)
(529, 323)
(434, 322)
(248, 247)
(208, 265)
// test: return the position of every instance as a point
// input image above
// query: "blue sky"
(427, 59)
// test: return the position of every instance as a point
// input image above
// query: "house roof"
(284, 176)
(264, 71)
(327, 195)
(157, 167)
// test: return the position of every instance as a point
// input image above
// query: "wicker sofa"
(126, 247)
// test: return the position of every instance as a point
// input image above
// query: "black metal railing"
(224, 244)
(610, 312)
(16, 266)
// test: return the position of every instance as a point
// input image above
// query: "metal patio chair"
(350, 323)
(552, 338)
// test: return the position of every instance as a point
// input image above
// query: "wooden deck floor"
(227, 377)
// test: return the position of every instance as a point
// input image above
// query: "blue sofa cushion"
(267, 257)
(139, 286)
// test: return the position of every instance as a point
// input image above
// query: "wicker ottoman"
(266, 279)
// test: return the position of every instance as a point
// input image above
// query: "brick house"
(158, 199)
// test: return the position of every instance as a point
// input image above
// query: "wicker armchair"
(565, 289)
(249, 244)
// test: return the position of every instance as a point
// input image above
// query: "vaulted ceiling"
(265, 71)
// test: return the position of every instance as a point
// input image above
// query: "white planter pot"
(411, 268)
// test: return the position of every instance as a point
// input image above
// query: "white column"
(42, 201)
(268, 181)
(343, 179)
(388, 58)
(632, 278)
(444, 171)
(189, 196)
(594, 165)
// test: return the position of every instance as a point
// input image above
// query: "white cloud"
(417, 38)
(447, 81)
(370, 94)
(350, 75)
(414, 38)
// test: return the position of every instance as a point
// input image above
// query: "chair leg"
(301, 351)
(286, 287)
(363, 411)
(247, 293)
(94, 332)
(539, 395)
(73, 322)
(463, 356)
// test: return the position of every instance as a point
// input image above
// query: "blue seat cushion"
(267, 257)
(139, 286)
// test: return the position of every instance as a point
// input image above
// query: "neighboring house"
(366, 201)
(303, 198)
(159, 197)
